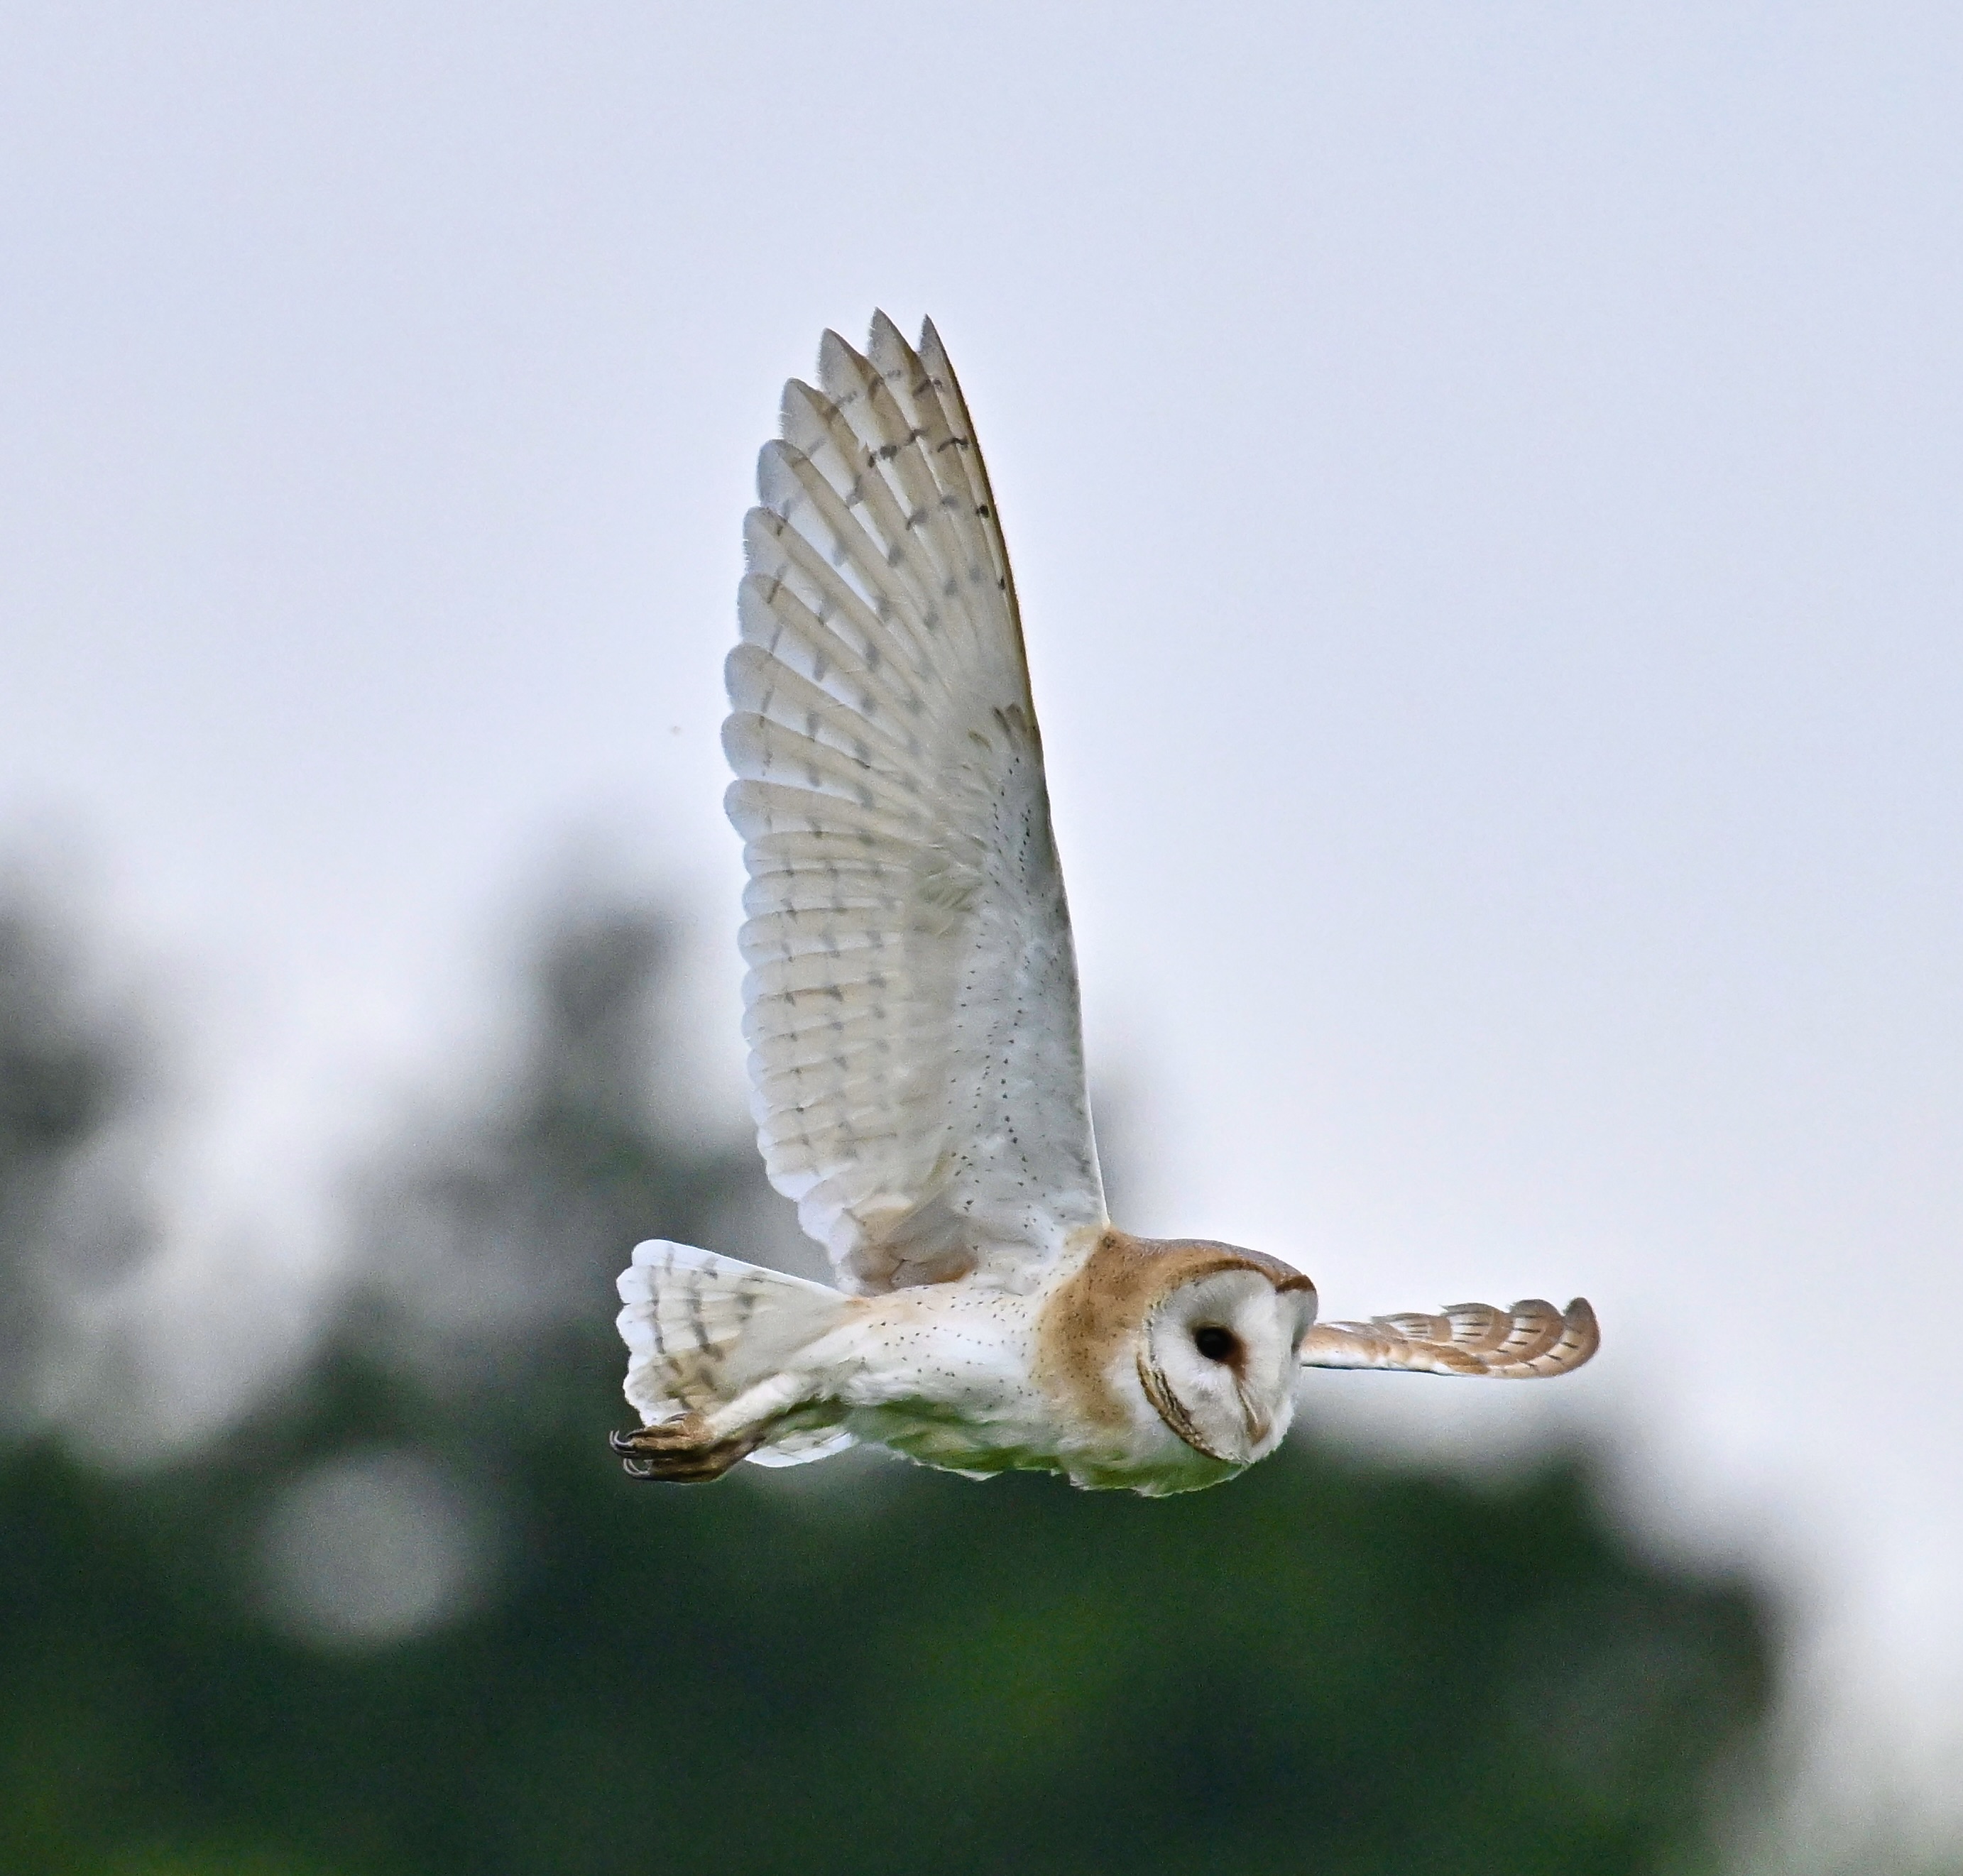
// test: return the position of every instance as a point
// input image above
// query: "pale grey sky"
(1484, 483)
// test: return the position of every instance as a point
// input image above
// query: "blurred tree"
(72, 1075)
(411, 1619)
(490, 1248)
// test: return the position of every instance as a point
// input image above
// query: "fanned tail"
(700, 1330)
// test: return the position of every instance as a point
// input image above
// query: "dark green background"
(1329, 1666)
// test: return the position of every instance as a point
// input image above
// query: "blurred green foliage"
(72, 1067)
(1329, 1666)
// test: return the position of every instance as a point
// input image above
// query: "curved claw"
(682, 1451)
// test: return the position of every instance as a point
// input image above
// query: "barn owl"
(916, 1060)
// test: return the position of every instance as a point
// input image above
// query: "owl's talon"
(681, 1451)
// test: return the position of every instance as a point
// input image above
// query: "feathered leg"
(683, 1451)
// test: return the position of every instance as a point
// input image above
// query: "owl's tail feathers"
(702, 1331)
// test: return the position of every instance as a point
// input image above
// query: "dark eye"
(1216, 1344)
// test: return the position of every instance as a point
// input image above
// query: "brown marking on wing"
(1093, 1319)
(909, 1247)
(1529, 1341)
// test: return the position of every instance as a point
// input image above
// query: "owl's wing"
(911, 1008)
(1530, 1339)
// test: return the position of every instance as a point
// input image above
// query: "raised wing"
(1531, 1339)
(916, 1060)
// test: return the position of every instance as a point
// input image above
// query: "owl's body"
(916, 1055)
(968, 1376)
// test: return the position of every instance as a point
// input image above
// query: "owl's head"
(1219, 1353)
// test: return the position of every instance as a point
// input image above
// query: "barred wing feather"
(911, 1006)
(1530, 1341)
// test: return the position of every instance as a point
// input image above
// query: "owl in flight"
(915, 1053)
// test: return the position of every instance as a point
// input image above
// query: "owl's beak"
(1258, 1425)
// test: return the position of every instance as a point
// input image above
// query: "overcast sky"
(1484, 483)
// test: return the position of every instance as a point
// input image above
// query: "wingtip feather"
(1531, 1340)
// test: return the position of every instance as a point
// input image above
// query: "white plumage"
(911, 1003)
(916, 1057)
